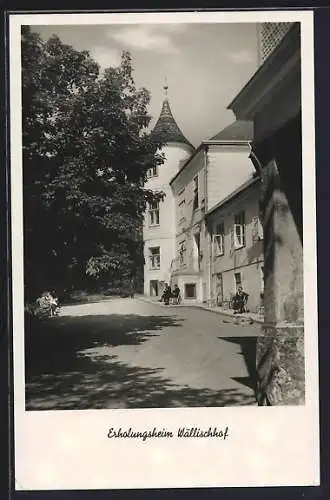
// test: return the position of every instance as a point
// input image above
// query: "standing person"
(240, 301)
(132, 288)
(176, 295)
(53, 303)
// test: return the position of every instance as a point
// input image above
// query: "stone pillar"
(280, 349)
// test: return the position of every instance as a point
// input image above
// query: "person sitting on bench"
(240, 301)
(167, 294)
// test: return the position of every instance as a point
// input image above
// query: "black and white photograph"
(161, 179)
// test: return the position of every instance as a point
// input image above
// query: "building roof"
(240, 130)
(166, 128)
(255, 179)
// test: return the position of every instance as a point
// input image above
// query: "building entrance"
(154, 288)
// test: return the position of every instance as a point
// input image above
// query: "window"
(190, 290)
(154, 257)
(182, 253)
(182, 207)
(196, 201)
(239, 230)
(154, 213)
(152, 172)
(219, 238)
(238, 280)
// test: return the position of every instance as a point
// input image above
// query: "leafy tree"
(86, 150)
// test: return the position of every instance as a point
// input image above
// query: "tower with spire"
(159, 222)
(166, 127)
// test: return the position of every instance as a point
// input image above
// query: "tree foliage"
(86, 151)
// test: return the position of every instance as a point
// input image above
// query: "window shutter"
(237, 239)
(223, 242)
(232, 237)
(255, 229)
(214, 244)
(260, 230)
(218, 244)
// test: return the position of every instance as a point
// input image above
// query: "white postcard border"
(266, 446)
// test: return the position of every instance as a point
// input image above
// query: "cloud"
(106, 56)
(241, 56)
(155, 38)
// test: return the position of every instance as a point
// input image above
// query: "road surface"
(127, 353)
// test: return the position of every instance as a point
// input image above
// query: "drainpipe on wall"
(206, 148)
(211, 265)
(255, 160)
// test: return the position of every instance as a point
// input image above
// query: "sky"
(206, 65)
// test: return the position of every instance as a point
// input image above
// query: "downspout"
(211, 264)
(258, 168)
(205, 221)
(255, 160)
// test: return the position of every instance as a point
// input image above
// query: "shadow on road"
(52, 345)
(66, 367)
(106, 383)
(248, 346)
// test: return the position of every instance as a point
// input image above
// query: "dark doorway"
(154, 288)
(190, 290)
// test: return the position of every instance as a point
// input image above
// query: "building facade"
(217, 168)
(236, 256)
(272, 99)
(159, 221)
(178, 246)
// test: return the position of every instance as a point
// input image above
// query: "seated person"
(167, 294)
(240, 301)
(47, 303)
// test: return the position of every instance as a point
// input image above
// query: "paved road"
(126, 353)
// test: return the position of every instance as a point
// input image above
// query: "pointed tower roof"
(166, 128)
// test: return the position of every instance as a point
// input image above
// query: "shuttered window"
(238, 234)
